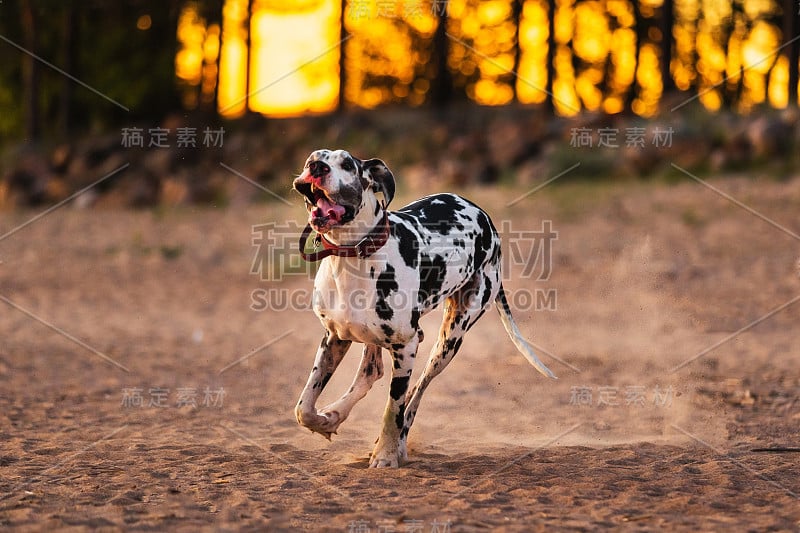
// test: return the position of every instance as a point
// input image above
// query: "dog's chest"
(365, 301)
(345, 299)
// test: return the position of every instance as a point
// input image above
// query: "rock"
(533, 172)
(60, 158)
(208, 187)
(453, 172)
(690, 152)
(736, 150)
(27, 182)
(509, 144)
(770, 136)
(641, 160)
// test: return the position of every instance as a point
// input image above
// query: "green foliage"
(97, 43)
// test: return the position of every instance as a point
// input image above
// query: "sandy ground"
(115, 323)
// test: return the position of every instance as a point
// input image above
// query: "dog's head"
(337, 187)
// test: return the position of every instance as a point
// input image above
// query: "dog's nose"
(318, 169)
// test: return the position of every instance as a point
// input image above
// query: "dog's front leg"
(369, 371)
(330, 353)
(390, 450)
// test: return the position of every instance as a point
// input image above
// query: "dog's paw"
(387, 457)
(326, 434)
(325, 424)
(332, 420)
(390, 460)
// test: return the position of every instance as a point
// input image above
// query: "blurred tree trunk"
(732, 95)
(768, 76)
(248, 55)
(69, 29)
(640, 31)
(667, 23)
(516, 7)
(551, 55)
(791, 18)
(30, 73)
(211, 10)
(342, 58)
(442, 88)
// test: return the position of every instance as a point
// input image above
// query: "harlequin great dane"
(380, 272)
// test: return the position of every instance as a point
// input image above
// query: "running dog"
(402, 264)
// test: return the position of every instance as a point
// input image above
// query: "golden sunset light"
(294, 59)
(284, 59)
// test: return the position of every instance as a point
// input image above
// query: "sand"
(145, 388)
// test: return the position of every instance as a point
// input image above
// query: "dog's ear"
(382, 178)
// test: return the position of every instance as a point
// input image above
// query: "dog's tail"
(516, 337)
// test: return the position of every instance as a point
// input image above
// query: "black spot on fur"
(432, 273)
(452, 345)
(487, 291)
(415, 319)
(495, 258)
(400, 419)
(385, 285)
(350, 196)
(398, 387)
(483, 242)
(387, 330)
(437, 212)
(501, 295)
(443, 204)
(407, 243)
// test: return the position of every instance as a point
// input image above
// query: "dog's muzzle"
(324, 211)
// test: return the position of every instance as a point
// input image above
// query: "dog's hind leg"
(390, 450)
(369, 371)
(461, 311)
(330, 353)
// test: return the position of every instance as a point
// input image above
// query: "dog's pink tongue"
(328, 209)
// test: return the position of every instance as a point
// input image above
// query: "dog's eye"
(348, 165)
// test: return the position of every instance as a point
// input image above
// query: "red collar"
(367, 246)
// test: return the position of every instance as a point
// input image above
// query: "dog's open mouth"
(324, 213)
